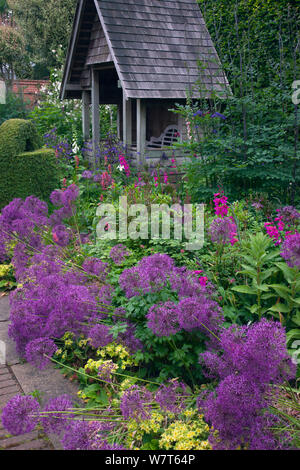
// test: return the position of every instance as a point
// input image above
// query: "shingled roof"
(154, 45)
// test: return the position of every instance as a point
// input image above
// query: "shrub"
(25, 168)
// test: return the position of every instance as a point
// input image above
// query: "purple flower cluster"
(291, 250)
(134, 403)
(65, 200)
(223, 230)
(171, 396)
(163, 319)
(157, 271)
(63, 149)
(20, 415)
(96, 267)
(253, 357)
(55, 300)
(78, 435)
(56, 414)
(38, 352)
(61, 236)
(118, 253)
(199, 312)
(100, 336)
(23, 413)
(19, 223)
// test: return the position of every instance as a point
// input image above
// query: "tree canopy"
(45, 26)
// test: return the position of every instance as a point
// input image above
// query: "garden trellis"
(142, 56)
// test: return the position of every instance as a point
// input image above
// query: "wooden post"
(86, 115)
(141, 129)
(95, 110)
(119, 122)
(127, 121)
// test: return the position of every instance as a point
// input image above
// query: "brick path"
(9, 387)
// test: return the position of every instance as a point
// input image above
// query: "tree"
(45, 26)
(11, 53)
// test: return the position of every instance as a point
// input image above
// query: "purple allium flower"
(56, 197)
(60, 235)
(291, 250)
(131, 282)
(96, 267)
(20, 415)
(222, 230)
(171, 397)
(252, 358)
(199, 312)
(151, 274)
(70, 195)
(134, 403)
(79, 434)
(129, 340)
(100, 336)
(163, 319)
(118, 253)
(37, 350)
(57, 422)
(87, 174)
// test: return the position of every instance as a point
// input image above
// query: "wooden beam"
(86, 115)
(73, 87)
(141, 129)
(95, 110)
(127, 121)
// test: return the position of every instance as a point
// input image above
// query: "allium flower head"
(96, 267)
(291, 250)
(171, 396)
(223, 231)
(100, 336)
(199, 312)
(60, 235)
(57, 422)
(20, 415)
(37, 350)
(79, 435)
(134, 403)
(163, 319)
(118, 253)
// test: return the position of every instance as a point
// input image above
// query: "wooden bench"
(166, 139)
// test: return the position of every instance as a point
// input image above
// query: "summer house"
(143, 56)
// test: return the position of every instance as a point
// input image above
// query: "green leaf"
(281, 308)
(244, 290)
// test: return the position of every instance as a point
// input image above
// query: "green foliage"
(7, 279)
(45, 27)
(11, 52)
(25, 169)
(14, 108)
(252, 150)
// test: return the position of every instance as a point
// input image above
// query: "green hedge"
(25, 169)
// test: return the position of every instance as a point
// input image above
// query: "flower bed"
(171, 349)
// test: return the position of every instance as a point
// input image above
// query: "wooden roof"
(154, 45)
